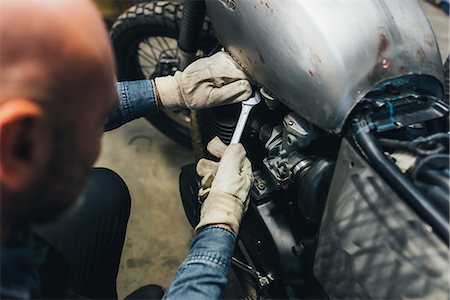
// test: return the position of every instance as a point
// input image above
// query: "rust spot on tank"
(311, 73)
(403, 69)
(421, 54)
(383, 44)
(263, 3)
(382, 61)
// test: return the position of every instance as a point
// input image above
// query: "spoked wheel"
(145, 44)
(446, 78)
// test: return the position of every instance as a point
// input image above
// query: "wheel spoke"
(145, 51)
(161, 47)
(149, 73)
(151, 47)
(146, 57)
(169, 47)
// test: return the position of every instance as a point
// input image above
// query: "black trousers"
(85, 247)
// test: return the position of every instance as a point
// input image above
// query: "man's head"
(56, 89)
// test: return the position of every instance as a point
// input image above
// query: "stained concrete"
(158, 233)
(439, 20)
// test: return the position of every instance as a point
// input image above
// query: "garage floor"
(158, 233)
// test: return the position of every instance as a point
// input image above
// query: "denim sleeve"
(136, 99)
(203, 274)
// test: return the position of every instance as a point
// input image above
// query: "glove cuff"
(221, 208)
(169, 92)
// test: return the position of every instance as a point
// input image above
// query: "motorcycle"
(350, 147)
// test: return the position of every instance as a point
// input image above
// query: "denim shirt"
(203, 274)
(19, 262)
(136, 99)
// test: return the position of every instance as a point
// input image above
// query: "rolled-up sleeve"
(136, 99)
(203, 274)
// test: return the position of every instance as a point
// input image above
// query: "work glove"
(225, 185)
(207, 82)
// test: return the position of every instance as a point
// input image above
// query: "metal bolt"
(263, 281)
(379, 103)
(298, 250)
(260, 185)
(398, 124)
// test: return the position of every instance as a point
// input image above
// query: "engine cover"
(321, 57)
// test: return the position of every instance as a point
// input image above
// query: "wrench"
(247, 106)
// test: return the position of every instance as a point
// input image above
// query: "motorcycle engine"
(277, 140)
(293, 162)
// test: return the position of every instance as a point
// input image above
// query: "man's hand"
(225, 185)
(207, 82)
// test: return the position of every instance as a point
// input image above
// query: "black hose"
(436, 161)
(440, 141)
(190, 31)
(443, 137)
(399, 183)
(435, 178)
(392, 145)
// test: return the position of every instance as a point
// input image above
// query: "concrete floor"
(159, 234)
(439, 20)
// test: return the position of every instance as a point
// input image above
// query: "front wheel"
(144, 39)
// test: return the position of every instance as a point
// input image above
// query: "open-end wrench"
(247, 106)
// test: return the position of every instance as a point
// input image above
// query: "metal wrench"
(247, 106)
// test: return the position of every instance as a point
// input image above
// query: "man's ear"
(25, 138)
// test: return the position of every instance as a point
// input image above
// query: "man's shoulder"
(18, 265)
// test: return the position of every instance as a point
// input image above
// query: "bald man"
(56, 89)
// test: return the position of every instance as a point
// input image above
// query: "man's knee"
(109, 191)
(106, 204)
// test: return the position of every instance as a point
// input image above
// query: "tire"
(446, 78)
(137, 36)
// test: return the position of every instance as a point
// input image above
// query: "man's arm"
(136, 99)
(203, 274)
(225, 185)
(207, 82)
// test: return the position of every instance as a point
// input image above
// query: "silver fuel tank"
(321, 57)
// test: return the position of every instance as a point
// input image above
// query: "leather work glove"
(230, 181)
(207, 82)
(207, 169)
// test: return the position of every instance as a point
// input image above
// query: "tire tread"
(144, 20)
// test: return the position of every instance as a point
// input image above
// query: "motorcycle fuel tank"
(321, 57)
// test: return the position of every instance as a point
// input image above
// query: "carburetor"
(283, 142)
